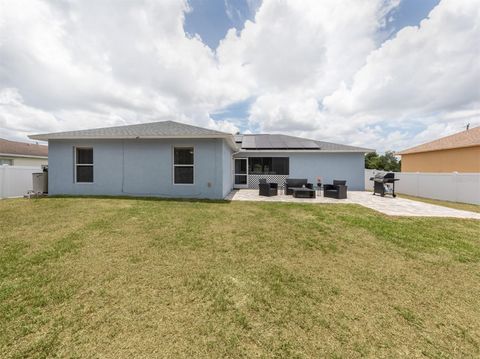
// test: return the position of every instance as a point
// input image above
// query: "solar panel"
(277, 142)
(262, 141)
(248, 142)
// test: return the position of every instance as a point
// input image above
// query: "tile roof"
(466, 138)
(151, 130)
(22, 148)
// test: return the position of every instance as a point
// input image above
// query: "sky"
(383, 74)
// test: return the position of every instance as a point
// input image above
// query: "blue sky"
(211, 19)
(411, 12)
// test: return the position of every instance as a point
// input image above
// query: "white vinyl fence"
(15, 181)
(455, 187)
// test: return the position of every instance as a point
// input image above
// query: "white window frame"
(75, 148)
(175, 165)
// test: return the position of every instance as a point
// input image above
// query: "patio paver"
(387, 205)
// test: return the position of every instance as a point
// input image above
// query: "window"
(268, 165)
(6, 161)
(84, 165)
(183, 165)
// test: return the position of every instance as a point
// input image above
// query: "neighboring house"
(456, 153)
(170, 159)
(22, 154)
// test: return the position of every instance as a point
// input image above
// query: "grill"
(384, 183)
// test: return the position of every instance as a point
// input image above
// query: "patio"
(386, 205)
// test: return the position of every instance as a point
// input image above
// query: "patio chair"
(267, 189)
(336, 190)
(296, 182)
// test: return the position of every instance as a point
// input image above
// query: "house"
(456, 153)
(171, 159)
(22, 154)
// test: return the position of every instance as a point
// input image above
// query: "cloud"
(307, 45)
(296, 53)
(112, 62)
(13, 109)
(430, 68)
(320, 69)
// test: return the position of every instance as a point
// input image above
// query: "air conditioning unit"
(40, 182)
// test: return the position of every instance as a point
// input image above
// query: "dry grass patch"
(86, 277)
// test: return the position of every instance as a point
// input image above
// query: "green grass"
(97, 277)
(455, 205)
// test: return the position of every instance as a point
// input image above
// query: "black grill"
(384, 183)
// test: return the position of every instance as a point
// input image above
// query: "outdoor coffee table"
(303, 192)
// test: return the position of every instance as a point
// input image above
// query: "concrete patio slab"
(387, 205)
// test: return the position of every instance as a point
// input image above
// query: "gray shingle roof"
(149, 130)
(285, 142)
(330, 146)
(166, 129)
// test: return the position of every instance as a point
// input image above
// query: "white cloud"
(307, 45)
(18, 120)
(296, 53)
(85, 63)
(425, 76)
(319, 69)
(434, 67)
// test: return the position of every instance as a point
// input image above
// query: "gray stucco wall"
(140, 168)
(227, 175)
(329, 166)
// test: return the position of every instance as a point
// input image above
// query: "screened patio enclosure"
(249, 170)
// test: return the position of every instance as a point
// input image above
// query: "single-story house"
(15, 153)
(171, 159)
(459, 152)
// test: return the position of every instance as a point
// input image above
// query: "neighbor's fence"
(15, 181)
(455, 187)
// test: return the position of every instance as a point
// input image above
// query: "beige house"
(456, 153)
(22, 154)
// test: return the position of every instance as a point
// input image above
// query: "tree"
(386, 162)
(371, 160)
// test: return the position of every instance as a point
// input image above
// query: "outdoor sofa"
(296, 183)
(336, 190)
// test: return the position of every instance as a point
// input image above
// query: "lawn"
(93, 277)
